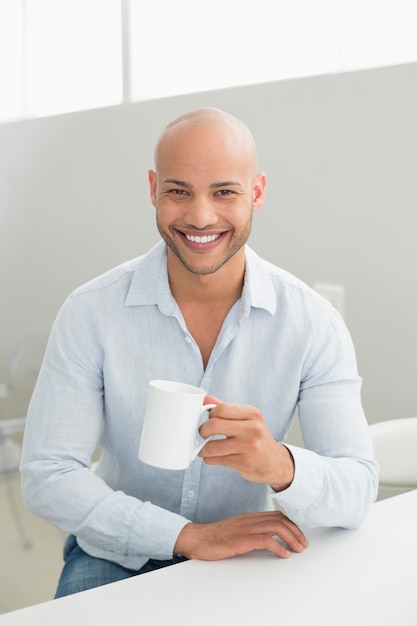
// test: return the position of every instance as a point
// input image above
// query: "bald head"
(211, 118)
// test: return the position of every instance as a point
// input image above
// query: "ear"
(258, 191)
(152, 178)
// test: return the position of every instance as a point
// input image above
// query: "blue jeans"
(82, 571)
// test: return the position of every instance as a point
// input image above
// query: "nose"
(200, 213)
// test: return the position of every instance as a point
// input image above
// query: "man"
(202, 308)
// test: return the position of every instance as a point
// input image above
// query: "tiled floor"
(27, 575)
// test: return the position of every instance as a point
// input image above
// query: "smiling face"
(205, 191)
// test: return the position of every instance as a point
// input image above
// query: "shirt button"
(187, 339)
(190, 493)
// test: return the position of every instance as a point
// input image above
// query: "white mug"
(170, 427)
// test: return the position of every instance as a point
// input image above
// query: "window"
(375, 33)
(65, 55)
(11, 60)
(178, 47)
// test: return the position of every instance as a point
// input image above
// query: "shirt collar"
(150, 284)
(258, 290)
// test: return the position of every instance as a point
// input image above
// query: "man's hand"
(249, 447)
(240, 534)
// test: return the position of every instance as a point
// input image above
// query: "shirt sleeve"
(336, 476)
(64, 423)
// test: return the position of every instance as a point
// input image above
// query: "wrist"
(183, 545)
(286, 470)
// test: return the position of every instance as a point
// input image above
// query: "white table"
(366, 577)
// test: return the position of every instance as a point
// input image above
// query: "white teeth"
(204, 239)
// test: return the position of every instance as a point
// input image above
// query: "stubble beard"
(238, 240)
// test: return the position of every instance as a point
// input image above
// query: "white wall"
(340, 155)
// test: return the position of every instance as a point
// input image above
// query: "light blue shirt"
(281, 346)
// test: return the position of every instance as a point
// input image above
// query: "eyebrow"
(180, 183)
(183, 183)
(226, 183)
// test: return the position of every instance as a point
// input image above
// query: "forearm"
(329, 491)
(107, 523)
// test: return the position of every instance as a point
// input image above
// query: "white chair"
(21, 376)
(395, 447)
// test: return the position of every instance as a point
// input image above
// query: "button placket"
(189, 495)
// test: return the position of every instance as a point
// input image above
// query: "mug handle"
(205, 407)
